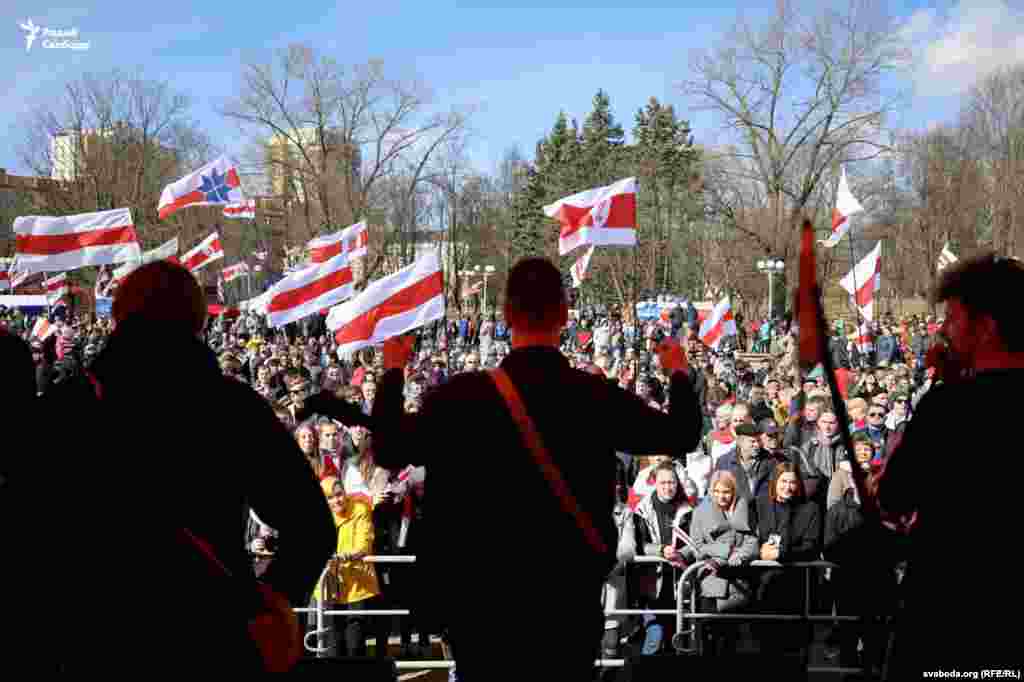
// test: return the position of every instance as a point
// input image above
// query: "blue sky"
(516, 62)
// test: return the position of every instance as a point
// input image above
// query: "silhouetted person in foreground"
(509, 569)
(159, 449)
(943, 486)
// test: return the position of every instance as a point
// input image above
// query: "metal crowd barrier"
(692, 572)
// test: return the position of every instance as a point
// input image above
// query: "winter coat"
(762, 471)
(818, 461)
(649, 541)
(720, 538)
(797, 522)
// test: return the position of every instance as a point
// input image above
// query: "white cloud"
(955, 50)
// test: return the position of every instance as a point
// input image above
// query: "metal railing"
(684, 597)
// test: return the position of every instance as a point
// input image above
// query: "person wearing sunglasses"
(875, 428)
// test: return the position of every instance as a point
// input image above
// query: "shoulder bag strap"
(534, 443)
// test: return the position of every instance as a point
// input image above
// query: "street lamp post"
(488, 270)
(770, 267)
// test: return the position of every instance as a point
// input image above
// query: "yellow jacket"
(358, 579)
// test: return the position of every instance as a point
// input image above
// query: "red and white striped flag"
(18, 278)
(233, 272)
(216, 183)
(603, 216)
(864, 280)
(53, 244)
(391, 306)
(353, 240)
(718, 324)
(846, 206)
(242, 209)
(310, 290)
(579, 268)
(946, 258)
(166, 251)
(865, 339)
(43, 329)
(56, 287)
(5, 274)
(472, 290)
(203, 253)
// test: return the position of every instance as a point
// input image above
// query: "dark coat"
(492, 494)
(797, 522)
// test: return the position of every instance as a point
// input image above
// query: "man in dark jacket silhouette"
(492, 511)
(164, 447)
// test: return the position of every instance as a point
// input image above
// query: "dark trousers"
(345, 635)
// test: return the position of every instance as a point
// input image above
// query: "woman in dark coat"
(788, 531)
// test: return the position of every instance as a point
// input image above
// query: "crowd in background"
(769, 482)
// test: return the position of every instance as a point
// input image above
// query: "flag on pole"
(718, 324)
(579, 268)
(846, 206)
(233, 272)
(946, 258)
(54, 244)
(805, 304)
(241, 209)
(56, 287)
(604, 216)
(353, 240)
(216, 183)
(310, 290)
(864, 339)
(43, 329)
(203, 253)
(166, 251)
(864, 281)
(391, 306)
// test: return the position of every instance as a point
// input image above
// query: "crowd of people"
(769, 478)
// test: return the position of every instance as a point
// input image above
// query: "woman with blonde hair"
(348, 583)
(725, 537)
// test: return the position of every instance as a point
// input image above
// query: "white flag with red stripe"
(203, 253)
(310, 290)
(603, 216)
(242, 209)
(353, 241)
(864, 339)
(846, 206)
(56, 287)
(579, 268)
(5, 274)
(216, 183)
(233, 272)
(53, 244)
(864, 280)
(166, 251)
(391, 306)
(718, 324)
(946, 258)
(43, 329)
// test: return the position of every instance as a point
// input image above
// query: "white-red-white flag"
(242, 209)
(353, 241)
(233, 272)
(864, 281)
(43, 329)
(579, 268)
(167, 251)
(5, 274)
(310, 290)
(203, 253)
(603, 216)
(864, 338)
(846, 206)
(391, 306)
(55, 244)
(56, 287)
(472, 289)
(718, 324)
(946, 258)
(216, 183)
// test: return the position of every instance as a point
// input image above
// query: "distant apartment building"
(295, 162)
(76, 153)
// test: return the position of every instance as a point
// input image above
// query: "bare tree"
(797, 95)
(114, 140)
(339, 138)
